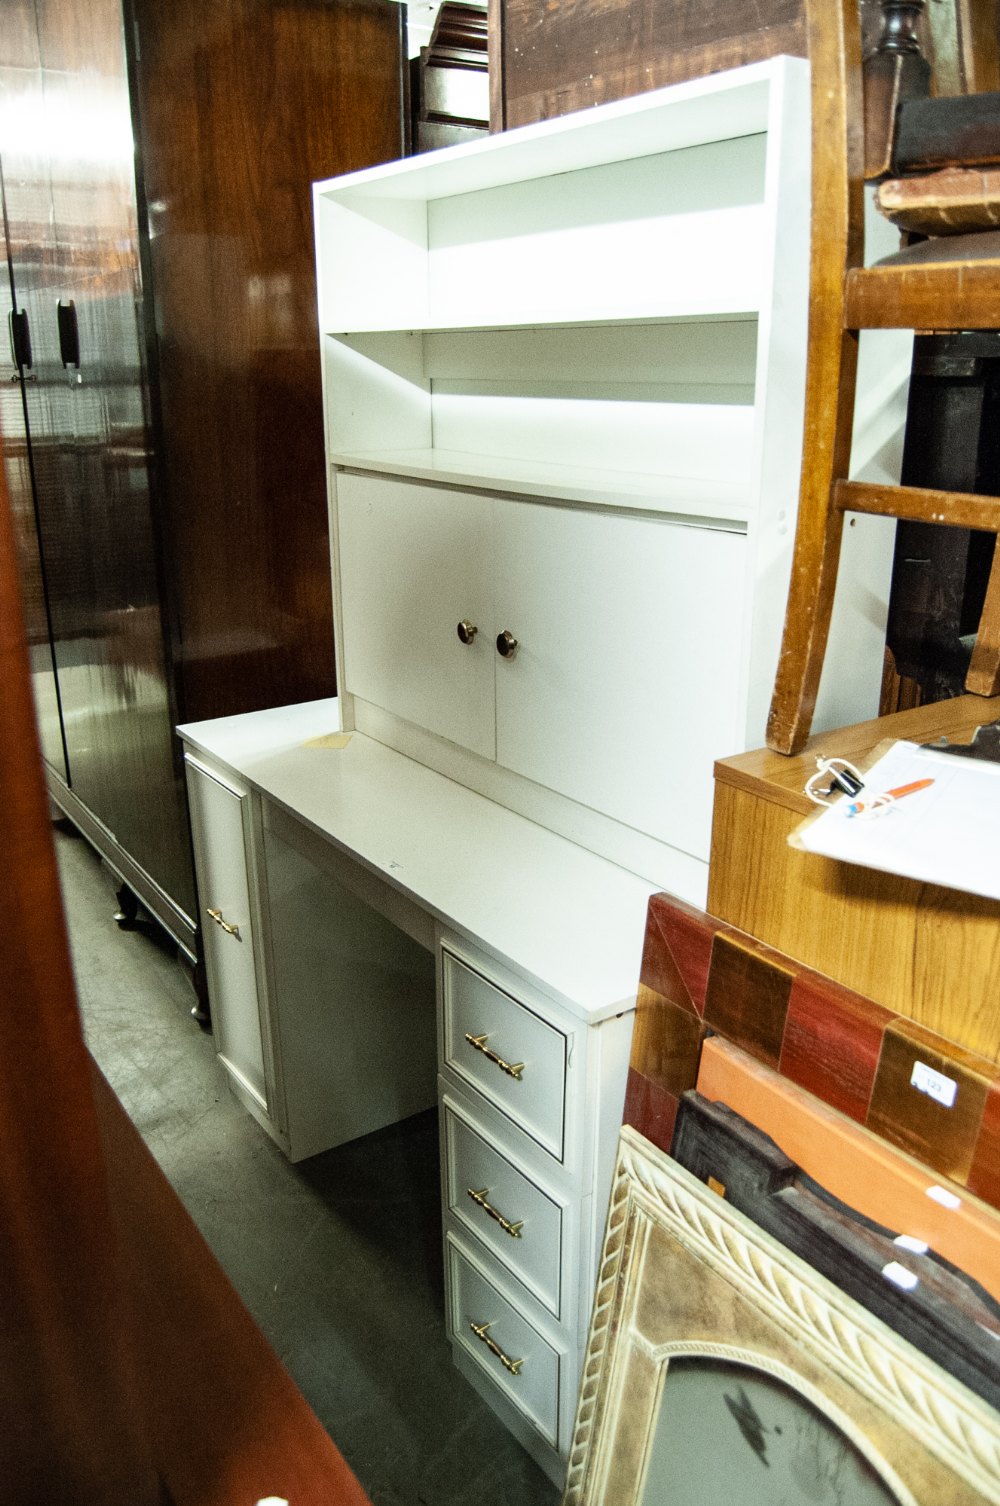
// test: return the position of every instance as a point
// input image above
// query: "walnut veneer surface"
(929, 953)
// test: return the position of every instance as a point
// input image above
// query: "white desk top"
(570, 921)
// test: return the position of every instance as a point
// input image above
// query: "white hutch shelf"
(564, 376)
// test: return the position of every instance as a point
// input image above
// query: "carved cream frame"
(679, 1264)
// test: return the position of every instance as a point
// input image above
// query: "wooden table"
(930, 953)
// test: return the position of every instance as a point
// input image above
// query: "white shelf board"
(640, 321)
(730, 300)
(720, 504)
(572, 922)
(722, 106)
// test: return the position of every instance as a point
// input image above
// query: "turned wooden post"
(894, 71)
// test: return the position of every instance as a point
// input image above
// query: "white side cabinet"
(222, 830)
(528, 1100)
(418, 943)
(322, 1005)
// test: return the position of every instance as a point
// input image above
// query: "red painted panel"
(832, 1042)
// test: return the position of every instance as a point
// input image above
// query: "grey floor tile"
(338, 1258)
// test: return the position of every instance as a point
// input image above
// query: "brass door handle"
(479, 1198)
(229, 929)
(467, 630)
(512, 1069)
(506, 644)
(482, 1331)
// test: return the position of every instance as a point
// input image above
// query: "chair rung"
(929, 296)
(919, 504)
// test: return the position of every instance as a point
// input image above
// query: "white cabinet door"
(217, 823)
(624, 685)
(414, 564)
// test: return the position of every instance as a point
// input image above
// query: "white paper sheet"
(947, 833)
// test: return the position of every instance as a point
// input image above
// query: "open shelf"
(655, 416)
(704, 503)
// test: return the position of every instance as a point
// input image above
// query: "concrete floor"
(338, 1258)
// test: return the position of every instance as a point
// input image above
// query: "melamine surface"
(568, 920)
(217, 823)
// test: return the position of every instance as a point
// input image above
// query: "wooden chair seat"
(950, 282)
(952, 201)
(941, 284)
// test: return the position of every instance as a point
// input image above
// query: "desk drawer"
(506, 1051)
(508, 1349)
(498, 1205)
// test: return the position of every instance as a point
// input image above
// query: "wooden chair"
(939, 284)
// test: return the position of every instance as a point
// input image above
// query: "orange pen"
(896, 794)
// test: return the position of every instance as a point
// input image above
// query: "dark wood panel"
(945, 1314)
(28, 275)
(71, 1424)
(127, 1358)
(242, 104)
(549, 57)
(74, 232)
(561, 55)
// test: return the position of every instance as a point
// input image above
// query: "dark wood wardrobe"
(160, 412)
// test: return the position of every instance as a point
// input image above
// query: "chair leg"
(807, 626)
(826, 452)
(983, 677)
(837, 243)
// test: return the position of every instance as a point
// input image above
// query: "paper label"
(942, 1089)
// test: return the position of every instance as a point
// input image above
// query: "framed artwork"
(722, 1367)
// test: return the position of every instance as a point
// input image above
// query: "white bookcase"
(564, 373)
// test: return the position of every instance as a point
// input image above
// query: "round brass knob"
(467, 630)
(506, 644)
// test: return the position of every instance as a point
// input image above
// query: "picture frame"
(935, 1306)
(691, 1291)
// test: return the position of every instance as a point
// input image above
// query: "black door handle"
(20, 338)
(69, 333)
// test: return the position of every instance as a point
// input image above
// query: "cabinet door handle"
(482, 1331)
(506, 644)
(512, 1069)
(467, 630)
(479, 1198)
(20, 339)
(229, 929)
(69, 332)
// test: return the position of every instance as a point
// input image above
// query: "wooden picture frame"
(687, 1278)
(925, 1299)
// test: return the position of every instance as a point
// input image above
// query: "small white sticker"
(944, 1197)
(942, 1089)
(908, 1242)
(900, 1276)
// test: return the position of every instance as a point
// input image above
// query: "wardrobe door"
(71, 201)
(25, 375)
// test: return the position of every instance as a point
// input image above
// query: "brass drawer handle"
(512, 1069)
(230, 930)
(482, 1331)
(506, 644)
(467, 630)
(479, 1198)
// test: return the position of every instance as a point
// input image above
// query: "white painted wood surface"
(568, 920)
(218, 830)
(606, 314)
